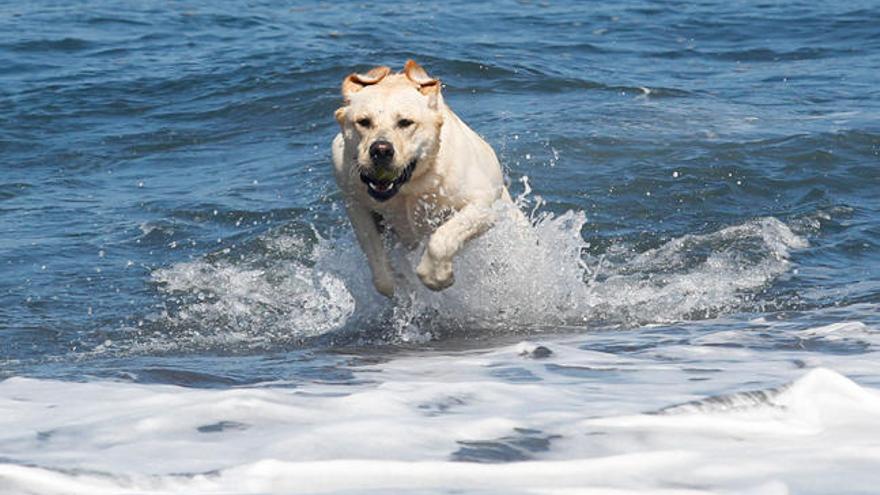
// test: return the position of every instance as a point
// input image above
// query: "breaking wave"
(515, 278)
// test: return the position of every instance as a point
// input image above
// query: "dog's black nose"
(381, 152)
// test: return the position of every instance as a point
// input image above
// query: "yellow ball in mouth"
(385, 175)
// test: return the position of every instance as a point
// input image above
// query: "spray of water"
(516, 277)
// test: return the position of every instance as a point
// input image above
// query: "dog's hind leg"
(435, 267)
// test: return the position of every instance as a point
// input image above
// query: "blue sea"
(184, 309)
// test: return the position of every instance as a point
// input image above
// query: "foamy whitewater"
(514, 278)
(668, 409)
(501, 421)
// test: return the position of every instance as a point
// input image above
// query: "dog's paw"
(436, 275)
(384, 285)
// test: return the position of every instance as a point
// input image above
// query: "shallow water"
(183, 308)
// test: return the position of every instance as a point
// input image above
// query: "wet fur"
(448, 198)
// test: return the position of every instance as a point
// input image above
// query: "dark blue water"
(138, 137)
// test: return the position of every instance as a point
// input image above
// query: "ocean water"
(695, 308)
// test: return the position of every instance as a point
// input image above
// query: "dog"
(406, 162)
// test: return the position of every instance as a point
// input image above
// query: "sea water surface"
(183, 307)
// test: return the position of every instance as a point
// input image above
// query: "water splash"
(518, 277)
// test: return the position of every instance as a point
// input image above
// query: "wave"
(64, 45)
(295, 288)
(759, 54)
(381, 438)
(819, 400)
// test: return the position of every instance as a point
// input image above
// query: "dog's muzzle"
(383, 190)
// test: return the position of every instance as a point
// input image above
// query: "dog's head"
(391, 125)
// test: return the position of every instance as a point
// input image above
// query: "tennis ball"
(386, 175)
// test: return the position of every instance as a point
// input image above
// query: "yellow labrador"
(405, 161)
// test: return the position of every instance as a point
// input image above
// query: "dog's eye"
(365, 122)
(404, 123)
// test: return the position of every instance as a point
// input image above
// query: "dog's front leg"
(435, 267)
(368, 236)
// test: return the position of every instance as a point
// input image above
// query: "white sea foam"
(701, 414)
(512, 278)
(496, 421)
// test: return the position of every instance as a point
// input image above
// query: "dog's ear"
(340, 115)
(428, 86)
(356, 82)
